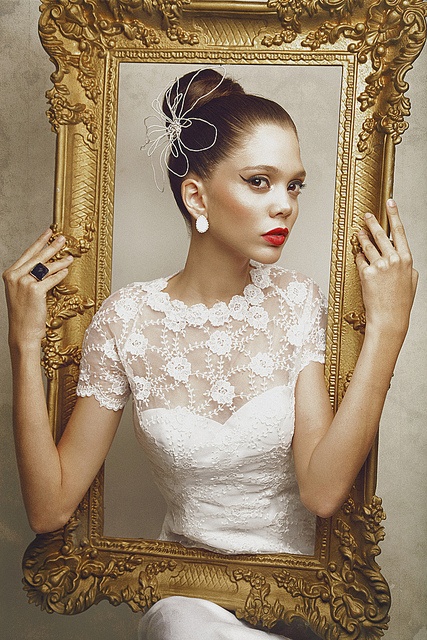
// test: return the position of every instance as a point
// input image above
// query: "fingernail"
(391, 202)
(368, 215)
(60, 238)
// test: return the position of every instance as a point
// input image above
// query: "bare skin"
(328, 450)
(327, 470)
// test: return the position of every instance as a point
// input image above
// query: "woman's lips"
(277, 236)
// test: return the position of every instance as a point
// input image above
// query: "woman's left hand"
(387, 276)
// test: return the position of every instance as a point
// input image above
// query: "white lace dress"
(213, 392)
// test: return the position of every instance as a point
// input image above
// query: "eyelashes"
(297, 183)
(262, 183)
(256, 181)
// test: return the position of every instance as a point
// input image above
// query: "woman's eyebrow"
(300, 173)
(262, 167)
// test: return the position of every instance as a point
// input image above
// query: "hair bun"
(197, 88)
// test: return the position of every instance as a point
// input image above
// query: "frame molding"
(339, 592)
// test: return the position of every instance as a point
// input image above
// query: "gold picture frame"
(338, 592)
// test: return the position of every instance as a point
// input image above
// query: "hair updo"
(223, 103)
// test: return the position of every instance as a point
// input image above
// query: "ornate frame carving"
(339, 592)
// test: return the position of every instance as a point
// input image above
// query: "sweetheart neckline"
(188, 412)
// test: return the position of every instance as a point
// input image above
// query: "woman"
(224, 359)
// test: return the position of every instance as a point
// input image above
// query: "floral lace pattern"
(213, 391)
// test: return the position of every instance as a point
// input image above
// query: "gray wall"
(26, 179)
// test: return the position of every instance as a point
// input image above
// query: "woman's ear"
(193, 196)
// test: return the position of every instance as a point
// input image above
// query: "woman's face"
(252, 196)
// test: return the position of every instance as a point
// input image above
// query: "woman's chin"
(269, 255)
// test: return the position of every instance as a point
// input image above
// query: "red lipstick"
(277, 236)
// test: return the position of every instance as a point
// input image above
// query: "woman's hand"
(53, 478)
(26, 296)
(387, 277)
(329, 452)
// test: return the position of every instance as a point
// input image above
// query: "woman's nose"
(282, 204)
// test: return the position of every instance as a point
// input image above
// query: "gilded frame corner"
(339, 592)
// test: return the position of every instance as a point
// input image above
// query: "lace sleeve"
(304, 317)
(314, 320)
(102, 373)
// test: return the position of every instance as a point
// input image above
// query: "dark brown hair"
(223, 104)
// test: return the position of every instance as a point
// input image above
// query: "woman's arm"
(53, 479)
(329, 451)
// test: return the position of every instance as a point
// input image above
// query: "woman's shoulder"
(291, 284)
(126, 303)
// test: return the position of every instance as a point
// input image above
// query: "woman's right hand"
(54, 477)
(26, 296)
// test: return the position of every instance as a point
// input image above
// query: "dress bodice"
(213, 392)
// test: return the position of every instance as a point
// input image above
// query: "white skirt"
(181, 618)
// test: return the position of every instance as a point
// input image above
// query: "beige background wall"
(26, 179)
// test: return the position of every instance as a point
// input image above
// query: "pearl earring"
(202, 224)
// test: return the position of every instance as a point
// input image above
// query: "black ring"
(39, 272)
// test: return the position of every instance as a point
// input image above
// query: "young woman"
(224, 359)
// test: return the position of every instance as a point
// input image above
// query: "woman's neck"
(210, 275)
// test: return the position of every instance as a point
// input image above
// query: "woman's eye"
(296, 186)
(258, 182)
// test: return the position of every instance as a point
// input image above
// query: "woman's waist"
(249, 528)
